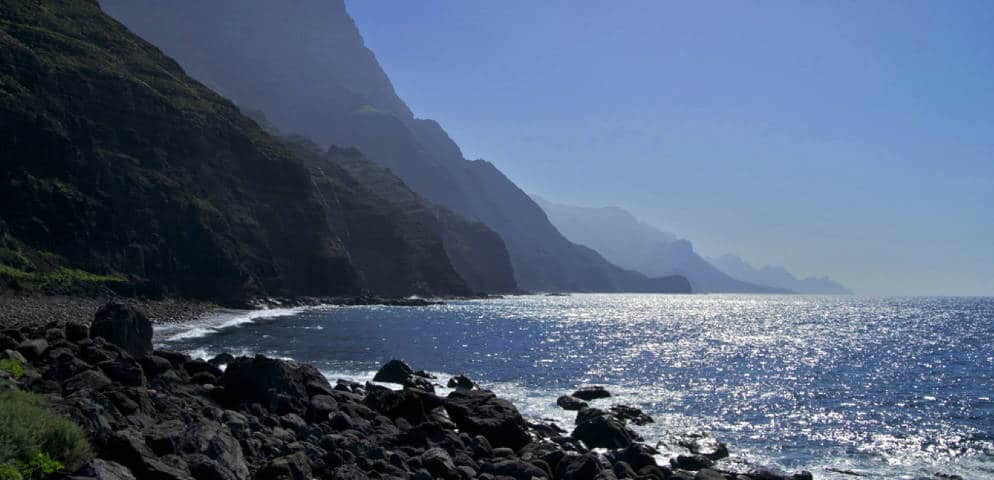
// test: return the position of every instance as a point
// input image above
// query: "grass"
(59, 279)
(36, 443)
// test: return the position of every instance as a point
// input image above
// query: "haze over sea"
(882, 387)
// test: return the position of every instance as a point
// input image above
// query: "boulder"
(290, 467)
(517, 469)
(125, 327)
(708, 474)
(631, 414)
(461, 382)
(124, 370)
(76, 331)
(637, 455)
(394, 371)
(569, 402)
(410, 404)
(275, 384)
(604, 431)
(479, 412)
(106, 470)
(591, 393)
(579, 467)
(438, 462)
(33, 349)
(587, 413)
(691, 462)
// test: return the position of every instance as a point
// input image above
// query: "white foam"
(222, 320)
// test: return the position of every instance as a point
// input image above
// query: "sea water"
(877, 387)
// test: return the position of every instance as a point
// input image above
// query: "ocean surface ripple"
(880, 387)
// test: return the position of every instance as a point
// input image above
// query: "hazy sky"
(853, 139)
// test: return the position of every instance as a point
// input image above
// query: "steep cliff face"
(305, 65)
(113, 161)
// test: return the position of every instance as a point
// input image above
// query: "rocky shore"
(162, 415)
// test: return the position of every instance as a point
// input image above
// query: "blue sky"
(853, 139)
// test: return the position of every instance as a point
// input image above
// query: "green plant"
(10, 472)
(37, 442)
(12, 367)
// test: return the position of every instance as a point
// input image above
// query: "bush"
(12, 367)
(36, 442)
(10, 472)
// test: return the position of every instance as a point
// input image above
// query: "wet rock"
(604, 431)
(691, 462)
(394, 371)
(461, 382)
(125, 327)
(638, 456)
(631, 414)
(704, 444)
(591, 393)
(479, 412)
(588, 413)
(221, 359)
(569, 402)
(196, 366)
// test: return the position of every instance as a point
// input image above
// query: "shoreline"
(160, 414)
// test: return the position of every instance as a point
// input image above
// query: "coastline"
(159, 414)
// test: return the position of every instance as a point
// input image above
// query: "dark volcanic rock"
(125, 327)
(591, 393)
(569, 402)
(631, 414)
(275, 384)
(461, 382)
(604, 431)
(394, 371)
(481, 413)
(410, 403)
(691, 462)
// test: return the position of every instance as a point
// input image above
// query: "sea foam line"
(222, 320)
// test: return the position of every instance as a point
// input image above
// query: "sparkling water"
(881, 387)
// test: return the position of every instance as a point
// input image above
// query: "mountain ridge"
(306, 66)
(632, 243)
(778, 276)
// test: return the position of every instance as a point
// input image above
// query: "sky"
(849, 139)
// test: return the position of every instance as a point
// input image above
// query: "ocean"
(837, 385)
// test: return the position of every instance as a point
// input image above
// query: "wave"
(216, 322)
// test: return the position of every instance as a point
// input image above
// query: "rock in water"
(394, 371)
(604, 431)
(462, 382)
(631, 414)
(591, 393)
(125, 327)
(569, 402)
(479, 412)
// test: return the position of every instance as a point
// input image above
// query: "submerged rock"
(591, 393)
(569, 402)
(631, 414)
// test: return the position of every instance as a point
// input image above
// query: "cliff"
(305, 65)
(117, 167)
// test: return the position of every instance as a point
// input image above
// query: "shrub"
(36, 442)
(12, 367)
(9, 472)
